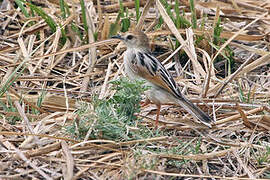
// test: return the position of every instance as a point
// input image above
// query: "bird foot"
(145, 103)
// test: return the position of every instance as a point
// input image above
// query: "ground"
(67, 112)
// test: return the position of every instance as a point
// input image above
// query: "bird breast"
(130, 64)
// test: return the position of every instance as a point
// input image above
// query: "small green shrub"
(113, 118)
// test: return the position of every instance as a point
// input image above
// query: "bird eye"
(129, 37)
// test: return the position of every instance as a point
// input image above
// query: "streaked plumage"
(140, 63)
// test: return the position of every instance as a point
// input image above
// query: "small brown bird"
(139, 63)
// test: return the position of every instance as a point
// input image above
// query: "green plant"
(193, 14)
(78, 130)
(84, 19)
(112, 118)
(51, 23)
(217, 32)
(21, 6)
(65, 12)
(12, 78)
(228, 53)
(9, 107)
(264, 157)
(83, 122)
(197, 148)
(64, 9)
(242, 96)
(125, 22)
(137, 9)
(118, 113)
(122, 18)
(114, 26)
(179, 20)
(39, 102)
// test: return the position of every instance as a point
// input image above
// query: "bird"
(140, 63)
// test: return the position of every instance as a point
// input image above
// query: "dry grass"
(36, 65)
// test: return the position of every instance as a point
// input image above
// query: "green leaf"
(137, 9)
(21, 6)
(12, 78)
(43, 15)
(62, 8)
(193, 14)
(84, 19)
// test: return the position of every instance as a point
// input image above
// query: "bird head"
(135, 39)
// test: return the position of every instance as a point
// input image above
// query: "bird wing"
(149, 68)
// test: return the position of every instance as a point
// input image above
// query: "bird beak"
(117, 37)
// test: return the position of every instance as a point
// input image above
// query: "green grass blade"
(241, 94)
(168, 8)
(137, 9)
(193, 14)
(41, 98)
(177, 13)
(84, 19)
(14, 75)
(160, 22)
(202, 26)
(76, 30)
(43, 15)
(184, 22)
(64, 35)
(125, 22)
(62, 9)
(217, 32)
(121, 8)
(21, 6)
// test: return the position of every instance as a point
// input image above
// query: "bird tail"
(195, 111)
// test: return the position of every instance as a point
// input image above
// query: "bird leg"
(158, 113)
(145, 103)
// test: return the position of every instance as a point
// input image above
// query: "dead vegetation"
(56, 66)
